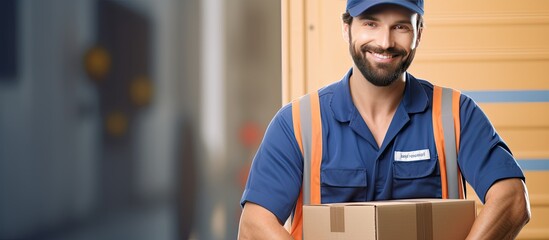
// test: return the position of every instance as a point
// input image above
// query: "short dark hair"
(348, 19)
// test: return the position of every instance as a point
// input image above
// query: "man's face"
(382, 42)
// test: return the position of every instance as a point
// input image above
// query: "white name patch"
(411, 156)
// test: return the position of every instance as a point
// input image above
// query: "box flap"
(396, 221)
(339, 221)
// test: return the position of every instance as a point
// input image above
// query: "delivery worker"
(377, 137)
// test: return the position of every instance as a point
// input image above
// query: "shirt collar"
(415, 98)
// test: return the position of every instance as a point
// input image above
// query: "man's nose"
(384, 38)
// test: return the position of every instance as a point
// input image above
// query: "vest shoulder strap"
(446, 128)
(307, 125)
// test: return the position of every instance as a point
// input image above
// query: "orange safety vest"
(307, 125)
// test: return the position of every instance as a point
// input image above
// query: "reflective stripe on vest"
(446, 127)
(308, 134)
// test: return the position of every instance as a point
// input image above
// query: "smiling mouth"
(382, 56)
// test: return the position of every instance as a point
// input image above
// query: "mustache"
(389, 51)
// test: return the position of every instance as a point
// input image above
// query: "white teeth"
(382, 56)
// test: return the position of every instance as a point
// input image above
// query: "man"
(378, 109)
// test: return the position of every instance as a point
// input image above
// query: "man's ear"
(419, 34)
(345, 28)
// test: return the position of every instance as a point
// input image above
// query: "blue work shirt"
(355, 169)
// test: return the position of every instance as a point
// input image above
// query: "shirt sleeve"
(483, 156)
(275, 176)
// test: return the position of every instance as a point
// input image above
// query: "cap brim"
(360, 8)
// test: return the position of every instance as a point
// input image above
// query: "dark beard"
(381, 75)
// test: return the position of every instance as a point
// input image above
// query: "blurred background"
(132, 119)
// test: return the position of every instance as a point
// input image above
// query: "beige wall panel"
(523, 126)
(293, 49)
(457, 32)
(536, 181)
(484, 75)
(492, 45)
(328, 55)
(518, 115)
(527, 143)
(527, 41)
(473, 6)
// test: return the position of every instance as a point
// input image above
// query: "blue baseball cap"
(356, 7)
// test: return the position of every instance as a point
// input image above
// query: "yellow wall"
(469, 45)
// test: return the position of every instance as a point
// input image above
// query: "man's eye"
(402, 28)
(370, 24)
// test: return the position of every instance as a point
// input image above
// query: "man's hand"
(506, 211)
(257, 222)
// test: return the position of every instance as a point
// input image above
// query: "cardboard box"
(431, 219)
